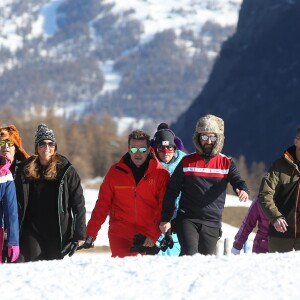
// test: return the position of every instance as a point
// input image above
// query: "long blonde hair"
(35, 170)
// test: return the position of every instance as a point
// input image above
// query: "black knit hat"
(44, 133)
(162, 126)
(164, 137)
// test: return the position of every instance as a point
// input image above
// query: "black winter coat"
(71, 204)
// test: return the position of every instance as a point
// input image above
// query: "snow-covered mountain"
(136, 58)
(254, 84)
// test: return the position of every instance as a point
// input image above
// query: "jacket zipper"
(60, 206)
(135, 206)
(23, 207)
(296, 212)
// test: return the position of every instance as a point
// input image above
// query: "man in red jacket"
(131, 194)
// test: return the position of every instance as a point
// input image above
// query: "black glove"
(4, 251)
(89, 243)
(70, 248)
(166, 242)
(173, 226)
(138, 241)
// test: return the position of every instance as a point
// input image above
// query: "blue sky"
(49, 14)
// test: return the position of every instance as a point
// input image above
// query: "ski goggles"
(9, 143)
(205, 138)
(134, 150)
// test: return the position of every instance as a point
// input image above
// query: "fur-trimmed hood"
(209, 123)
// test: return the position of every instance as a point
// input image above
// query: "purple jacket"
(254, 215)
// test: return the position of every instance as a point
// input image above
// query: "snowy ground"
(98, 276)
(251, 276)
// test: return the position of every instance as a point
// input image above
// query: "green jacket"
(279, 194)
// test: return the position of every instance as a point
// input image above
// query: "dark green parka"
(279, 194)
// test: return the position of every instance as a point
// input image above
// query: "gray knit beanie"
(44, 133)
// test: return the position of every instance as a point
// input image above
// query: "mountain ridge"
(62, 53)
(254, 85)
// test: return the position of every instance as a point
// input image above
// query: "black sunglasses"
(45, 144)
(161, 147)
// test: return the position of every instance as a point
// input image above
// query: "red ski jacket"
(132, 208)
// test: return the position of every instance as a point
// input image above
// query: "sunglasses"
(161, 147)
(9, 143)
(135, 150)
(45, 144)
(212, 138)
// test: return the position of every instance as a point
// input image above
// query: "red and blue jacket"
(8, 203)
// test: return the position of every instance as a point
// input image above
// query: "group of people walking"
(140, 196)
(159, 199)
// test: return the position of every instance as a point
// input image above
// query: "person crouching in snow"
(8, 211)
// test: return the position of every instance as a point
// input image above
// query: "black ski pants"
(34, 247)
(196, 238)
